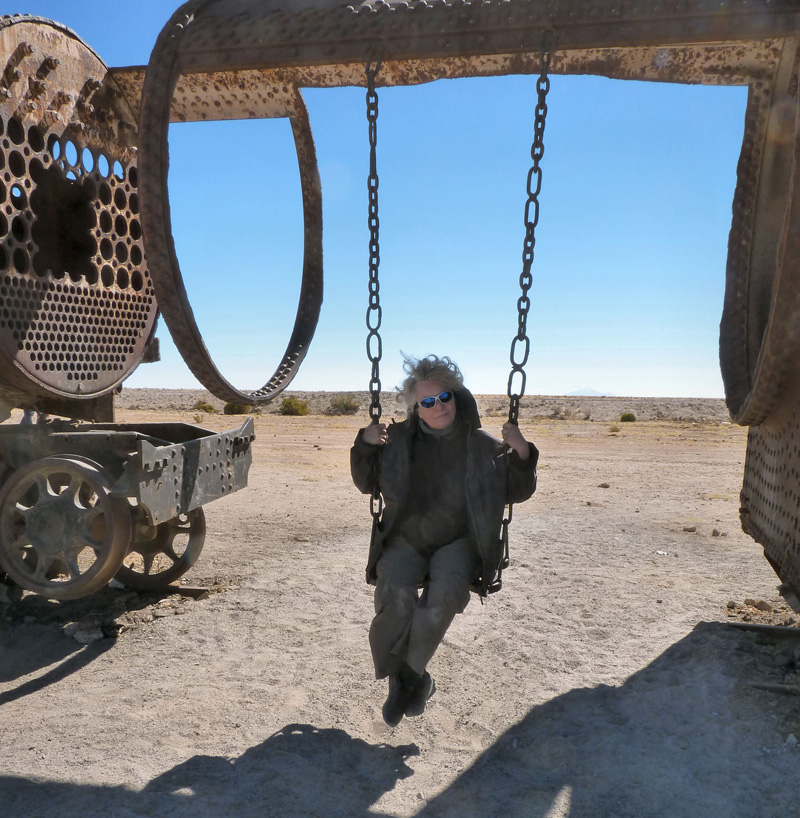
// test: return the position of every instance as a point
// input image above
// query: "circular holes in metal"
(18, 196)
(54, 146)
(16, 132)
(35, 139)
(71, 153)
(16, 164)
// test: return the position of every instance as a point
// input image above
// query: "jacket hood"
(467, 407)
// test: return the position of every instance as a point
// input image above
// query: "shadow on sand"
(685, 737)
(32, 637)
(299, 771)
(688, 736)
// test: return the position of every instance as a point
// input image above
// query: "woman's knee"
(395, 598)
(450, 593)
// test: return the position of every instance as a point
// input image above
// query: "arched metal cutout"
(162, 258)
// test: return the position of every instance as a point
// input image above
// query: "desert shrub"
(202, 406)
(294, 406)
(614, 429)
(343, 405)
(237, 409)
(627, 417)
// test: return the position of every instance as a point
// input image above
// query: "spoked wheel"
(62, 534)
(161, 554)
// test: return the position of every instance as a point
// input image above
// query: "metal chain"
(374, 311)
(531, 220)
(525, 278)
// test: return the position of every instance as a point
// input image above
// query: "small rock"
(761, 605)
(716, 533)
(604, 486)
(690, 529)
(86, 637)
(731, 605)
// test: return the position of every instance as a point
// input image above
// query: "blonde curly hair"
(430, 368)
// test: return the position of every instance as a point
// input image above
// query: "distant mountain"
(588, 392)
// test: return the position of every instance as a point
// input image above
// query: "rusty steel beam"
(240, 34)
(257, 93)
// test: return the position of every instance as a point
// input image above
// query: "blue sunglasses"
(430, 401)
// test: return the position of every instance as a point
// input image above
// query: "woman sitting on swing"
(445, 484)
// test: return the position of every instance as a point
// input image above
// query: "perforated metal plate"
(76, 302)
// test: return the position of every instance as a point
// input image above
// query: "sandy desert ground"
(608, 679)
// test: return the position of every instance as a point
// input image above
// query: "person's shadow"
(299, 771)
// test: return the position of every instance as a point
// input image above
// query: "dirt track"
(602, 681)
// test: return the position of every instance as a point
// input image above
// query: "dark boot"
(402, 686)
(423, 690)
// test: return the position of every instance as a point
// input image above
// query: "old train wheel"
(161, 554)
(62, 534)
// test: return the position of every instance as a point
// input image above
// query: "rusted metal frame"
(158, 88)
(251, 93)
(761, 317)
(169, 480)
(280, 34)
(168, 468)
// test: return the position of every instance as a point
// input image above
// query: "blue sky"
(629, 274)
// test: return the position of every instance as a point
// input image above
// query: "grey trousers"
(408, 626)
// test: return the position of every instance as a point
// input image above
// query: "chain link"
(374, 310)
(521, 344)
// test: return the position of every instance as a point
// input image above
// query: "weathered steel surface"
(78, 306)
(260, 92)
(169, 480)
(236, 34)
(170, 290)
(771, 488)
(167, 468)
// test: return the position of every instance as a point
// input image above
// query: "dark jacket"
(489, 485)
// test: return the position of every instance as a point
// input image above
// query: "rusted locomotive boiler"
(83, 499)
(218, 59)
